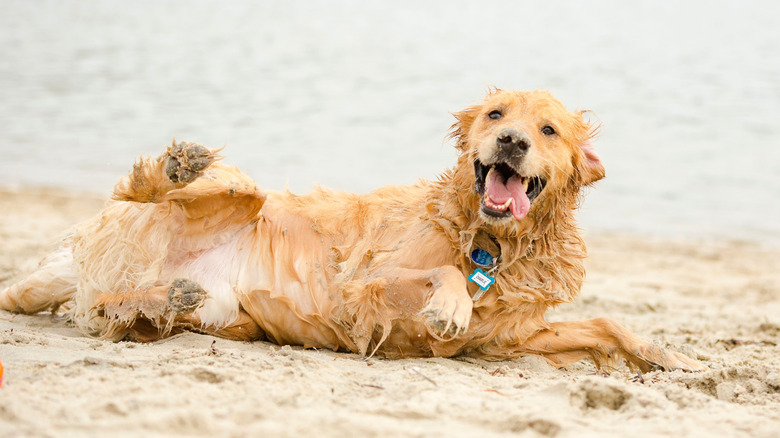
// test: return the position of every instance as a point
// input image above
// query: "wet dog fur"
(189, 243)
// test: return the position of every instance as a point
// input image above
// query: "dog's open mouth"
(504, 191)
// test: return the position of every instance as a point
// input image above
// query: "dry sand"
(717, 301)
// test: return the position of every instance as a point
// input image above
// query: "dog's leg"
(152, 178)
(140, 314)
(432, 300)
(439, 295)
(448, 311)
(185, 297)
(52, 284)
(152, 313)
(604, 341)
(191, 176)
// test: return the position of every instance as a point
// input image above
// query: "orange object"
(1, 373)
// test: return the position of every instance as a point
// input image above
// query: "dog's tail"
(51, 285)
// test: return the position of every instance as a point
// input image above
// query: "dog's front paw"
(185, 160)
(448, 313)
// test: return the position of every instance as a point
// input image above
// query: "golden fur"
(381, 273)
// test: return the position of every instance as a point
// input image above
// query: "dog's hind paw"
(184, 296)
(447, 314)
(185, 161)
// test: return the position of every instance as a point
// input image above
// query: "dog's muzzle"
(504, 191)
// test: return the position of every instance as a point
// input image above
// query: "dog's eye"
(495, 114)
(548, 130)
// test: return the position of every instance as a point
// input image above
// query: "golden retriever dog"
(465, 265)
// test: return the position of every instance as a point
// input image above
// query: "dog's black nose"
(512, 140)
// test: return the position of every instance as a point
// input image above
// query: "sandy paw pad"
(446, 328)
(185, 296)
(447, 315)
(185, 160)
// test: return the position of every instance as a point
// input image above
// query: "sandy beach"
(354, 95)
(717, 301)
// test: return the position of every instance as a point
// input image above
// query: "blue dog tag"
(481, 257)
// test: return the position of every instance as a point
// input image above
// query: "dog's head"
(525, 147)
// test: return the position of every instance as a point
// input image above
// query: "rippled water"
(355, 95)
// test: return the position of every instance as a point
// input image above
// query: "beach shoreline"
(717, 301)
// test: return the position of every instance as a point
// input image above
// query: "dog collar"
(484, 278)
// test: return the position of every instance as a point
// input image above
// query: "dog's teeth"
(525, 183)
(508, 201)
(488, 201)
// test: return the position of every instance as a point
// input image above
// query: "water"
(355, 95)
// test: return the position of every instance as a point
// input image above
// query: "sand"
(716, 300)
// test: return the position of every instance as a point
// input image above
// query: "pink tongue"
(499, 191)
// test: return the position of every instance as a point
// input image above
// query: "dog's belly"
(215, 271)
(283, 289)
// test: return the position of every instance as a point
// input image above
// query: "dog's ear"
(589, 164)
(586, 160)
(460, 129)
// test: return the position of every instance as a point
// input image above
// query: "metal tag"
(480, 257)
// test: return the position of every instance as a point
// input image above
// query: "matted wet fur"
(189, 243)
